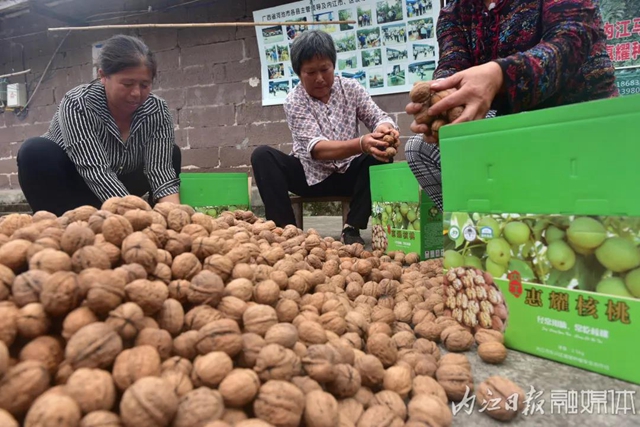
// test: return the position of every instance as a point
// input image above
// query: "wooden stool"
(297, 204)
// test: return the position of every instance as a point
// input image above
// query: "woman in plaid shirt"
(329, 156)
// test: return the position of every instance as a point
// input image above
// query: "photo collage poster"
(391, 45)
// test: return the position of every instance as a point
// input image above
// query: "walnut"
(7, 278)
(430, 410)
(164, 257)
(100, 419)
(485, 335)
(232, 308)
(382, 347)
(12, 222)
(32, 321)
(259, 318)
(455, 359)
(95, 345)
(403, 339)
(206, 288)
(90, 257)
(106, 293)
(239, 387)
(457, 339)
(93, 389)
(493, 352)
(97, 219)
(209, 370)
(252, 343)
(266, 292)
(21, 385)
(278, 363)
(398, 378)
(139, 219)
(379, 416)
(4, 358)
(379, 328)
(149, 295)
(505, 393)
(311, 332)
(185, 266)
(50, 261)
(371, 370)
(455, 380)
(159, 235)
(7, 420)
(393, 401)
(425, 346)
(306, 384)
(138, 248)
(9, 315)
(177, 243)
(127, 320)
(81, 213)
(284, 334)
(150, 401)
(423, 384)
(346, 383)
(171, 316)
(241, 288)
(319, 363)
(121, 205)
(178, 380)
(197, 407)
(76, 236)
(135, 363)
(60, 293)
(14, 254)
(45, 349)
(157, 338)
(177, 363)
(177, 219)
(220, 335)
(53, 409)
(321, 409)
(112, 251)
(132, 272)
(76, 319)
(200, 315)
(279, 403)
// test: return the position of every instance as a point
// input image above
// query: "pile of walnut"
(138, 317)
(421, 93)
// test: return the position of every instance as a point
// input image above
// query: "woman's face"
(127, 89)
(316, 76)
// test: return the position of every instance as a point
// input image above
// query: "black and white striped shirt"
(85, 128)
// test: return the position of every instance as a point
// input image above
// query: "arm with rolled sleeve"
(158, 158)
(368, 111)
(87, 153)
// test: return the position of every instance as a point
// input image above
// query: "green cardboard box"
(214, 193)
(546, 202)
(403, 216)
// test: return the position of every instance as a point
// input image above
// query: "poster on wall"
(622, 28)
(391, 45)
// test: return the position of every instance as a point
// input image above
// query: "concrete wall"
(210, 78)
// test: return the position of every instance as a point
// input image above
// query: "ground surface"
(568, 396)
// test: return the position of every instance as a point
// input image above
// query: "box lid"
(393, 183)
(581, 159)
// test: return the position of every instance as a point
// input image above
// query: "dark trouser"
(51, 182)
(277, 173)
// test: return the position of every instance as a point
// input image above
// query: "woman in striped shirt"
(109, 138)
(510, 56)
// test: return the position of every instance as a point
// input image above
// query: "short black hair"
(122, 51)
(310, 44)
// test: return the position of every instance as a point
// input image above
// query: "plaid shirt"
(312, 121)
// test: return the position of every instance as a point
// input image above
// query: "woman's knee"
(416, 151)
(261, 154)
(34, 151)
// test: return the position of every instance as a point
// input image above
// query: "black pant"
(277, 173)
(51, 182)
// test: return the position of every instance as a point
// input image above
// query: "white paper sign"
(391, 45)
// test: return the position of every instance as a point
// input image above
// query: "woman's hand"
(414, 108)
(385, 128)
(476, 89)
(372, 144)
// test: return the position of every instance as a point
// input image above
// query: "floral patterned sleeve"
(455, 54)
(368, 111)
(568, 33)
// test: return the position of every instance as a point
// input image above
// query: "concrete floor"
(543, 375)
